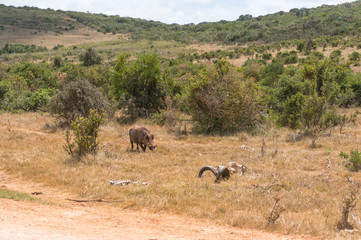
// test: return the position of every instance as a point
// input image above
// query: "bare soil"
(50, 39)
(63, 219)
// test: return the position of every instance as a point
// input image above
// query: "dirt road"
(70, 220)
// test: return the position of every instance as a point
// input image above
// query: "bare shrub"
(171, 118)
(349, 202)
(77, 99)
(275, 212)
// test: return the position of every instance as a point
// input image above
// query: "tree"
(312, 115)
(138, 84)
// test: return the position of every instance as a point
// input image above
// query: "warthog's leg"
(143, 146)
(131, 142)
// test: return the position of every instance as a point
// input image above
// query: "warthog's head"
(149, 141)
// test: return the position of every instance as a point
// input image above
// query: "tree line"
(217, 96)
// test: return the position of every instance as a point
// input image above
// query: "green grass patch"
(18, 196)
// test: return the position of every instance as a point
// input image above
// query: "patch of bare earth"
(50, 39)
(91, 220)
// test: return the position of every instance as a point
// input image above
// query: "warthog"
(141, 136)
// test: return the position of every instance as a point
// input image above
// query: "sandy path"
(67, 220)
(24, 220)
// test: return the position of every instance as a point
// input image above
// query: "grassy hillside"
(321, 22)
(326, 23)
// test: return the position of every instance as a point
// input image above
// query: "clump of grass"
(18, 196)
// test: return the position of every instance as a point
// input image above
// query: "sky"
(176, 11)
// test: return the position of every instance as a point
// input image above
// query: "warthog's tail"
(221, 173)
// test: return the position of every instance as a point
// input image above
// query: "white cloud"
(176, 11)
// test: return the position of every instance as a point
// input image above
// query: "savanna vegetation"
(294, 96)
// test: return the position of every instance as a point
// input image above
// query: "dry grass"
(309, 182)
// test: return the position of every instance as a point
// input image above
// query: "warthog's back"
(138, 133)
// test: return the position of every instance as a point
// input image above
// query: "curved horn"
(223, 173)
(210, 168)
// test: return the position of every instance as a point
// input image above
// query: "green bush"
(220, 100)
(37, 100)
(90, 57)
(139, 85)
(77, 99)
(354, 57)
(354, 160)
(86, 131)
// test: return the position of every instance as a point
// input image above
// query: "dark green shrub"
(267, 56)
(138, 85)
(300, 45)
(37, 100)
(290, 114)
(90, 57)
(355, 58)
(76, 99)
(58, 62)
(58, 46)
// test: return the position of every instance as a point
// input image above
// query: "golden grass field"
(310, 182)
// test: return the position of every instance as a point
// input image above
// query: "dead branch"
(92, 200)
(275, 183)
(252, 149)
(276, 150)
(262, 148)
(275, 212)
(356, 220)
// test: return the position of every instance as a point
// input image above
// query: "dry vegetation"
(309, 182)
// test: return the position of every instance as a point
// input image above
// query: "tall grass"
(309, 182)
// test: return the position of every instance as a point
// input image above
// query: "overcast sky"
(176, 11)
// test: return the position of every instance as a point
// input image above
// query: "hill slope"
(324, 22)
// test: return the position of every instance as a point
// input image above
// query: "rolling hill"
(326, 23)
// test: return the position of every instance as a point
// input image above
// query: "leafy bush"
(354, 160)
(220, 100)
(354, 57)
(36, 100)
(77, 99)
(58, 62)
(86, 132)
(138, 84)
